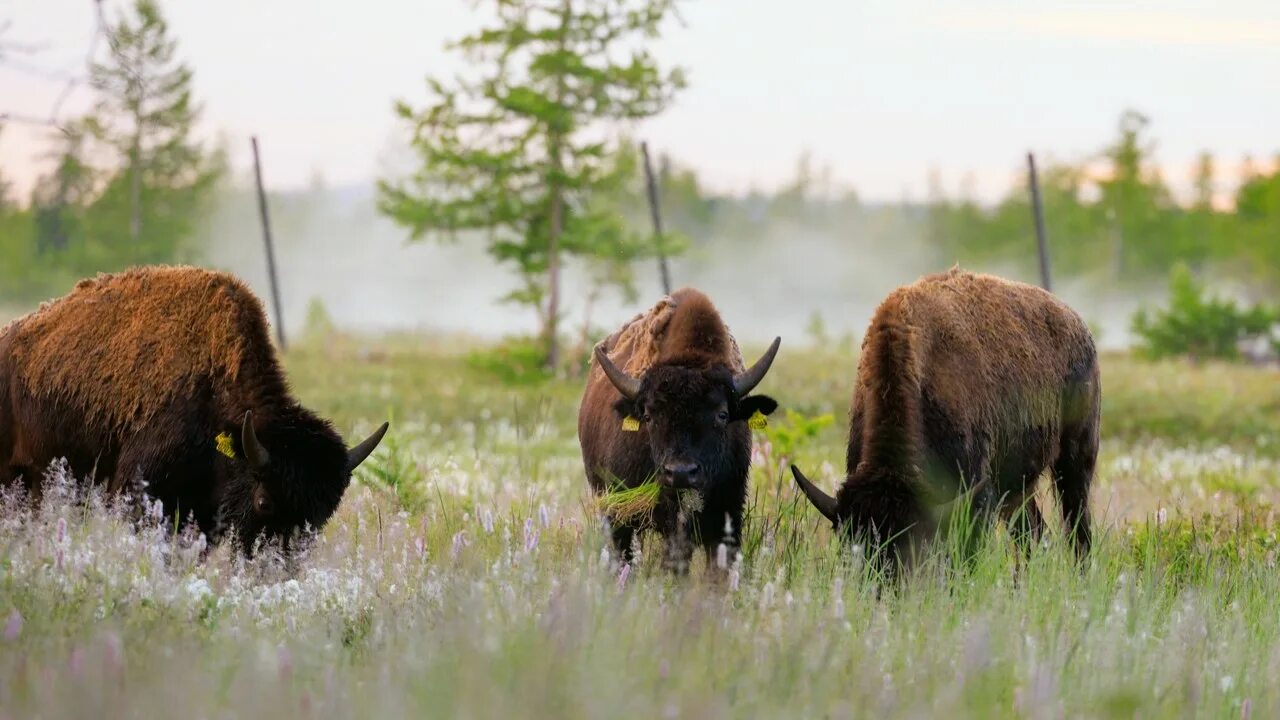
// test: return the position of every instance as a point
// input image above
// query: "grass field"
(465, 575)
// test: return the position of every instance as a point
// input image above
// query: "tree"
(59, 198)
(1138, 202)
(515, 153)
(145, 114)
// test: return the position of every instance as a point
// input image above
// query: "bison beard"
(167, 377)
(966, 384)
(679, 420)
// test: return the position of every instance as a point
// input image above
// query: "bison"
(967, 381)
(165, 378)
(668, 398)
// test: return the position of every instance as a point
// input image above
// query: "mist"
(333, 245)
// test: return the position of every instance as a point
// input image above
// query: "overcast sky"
(880, 91)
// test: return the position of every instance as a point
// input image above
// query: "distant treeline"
(128, 184)
(1121, 223)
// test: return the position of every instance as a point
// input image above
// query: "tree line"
(128, 183)
(529, 154)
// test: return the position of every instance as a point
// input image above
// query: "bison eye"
(723, 416)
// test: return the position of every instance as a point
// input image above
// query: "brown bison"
(165, 378)
(667, 398)
(967, 381)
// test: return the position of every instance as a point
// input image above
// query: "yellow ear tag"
(225, 446)
(630, 424)
(757, 421)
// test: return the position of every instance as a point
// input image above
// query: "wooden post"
(1037, 211)
(266, 239)
(655, 212)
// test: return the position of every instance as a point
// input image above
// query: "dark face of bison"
(288, 477)
(690, 415)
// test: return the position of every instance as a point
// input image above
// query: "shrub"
(1198, 325)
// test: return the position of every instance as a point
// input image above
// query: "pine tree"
(516, 152)
(145, 113)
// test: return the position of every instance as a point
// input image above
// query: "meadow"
(466, 574)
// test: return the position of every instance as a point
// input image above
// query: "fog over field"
(333, 245)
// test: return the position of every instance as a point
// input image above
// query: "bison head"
(690, 414)
(288, 476)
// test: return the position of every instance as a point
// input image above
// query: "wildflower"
(459, 542)
(544, 515)
(623, 574)
(766, 596)
(486, 521)
(13, 627)
(1162, 515)
(530, 535)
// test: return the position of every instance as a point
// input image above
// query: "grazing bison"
(667, 397)
(967, 381)
(166, 376)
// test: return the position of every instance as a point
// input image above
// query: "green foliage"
(1197, 325)
(129, 184)
(514, 152)
(515, 361)
(795, 432)
(1121, 224)
(318, 324)
(392, 470)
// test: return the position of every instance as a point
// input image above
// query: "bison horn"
(824, 502)
(253, 450)
(627, 385)
(747, 381)
(357, 454)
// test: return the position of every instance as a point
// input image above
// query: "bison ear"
(751, 404)
(627, 407)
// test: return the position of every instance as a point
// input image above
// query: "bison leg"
(1072, 476)
(678, 549)
(721, 533)
(1025, 521)
(623, 537)
(1077, 456)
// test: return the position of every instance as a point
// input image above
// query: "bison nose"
(681, 475)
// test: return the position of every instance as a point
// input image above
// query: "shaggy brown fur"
(970, 380)
(119, 348)
(133, 377)
(638, 344)
(692, 417)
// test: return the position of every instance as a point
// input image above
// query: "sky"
(881, 92)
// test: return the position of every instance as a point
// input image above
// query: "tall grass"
(466, 575)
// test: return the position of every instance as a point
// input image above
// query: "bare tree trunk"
(553, 272)
(135, 189)
(556, 224)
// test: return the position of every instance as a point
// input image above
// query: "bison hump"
(644, 339)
